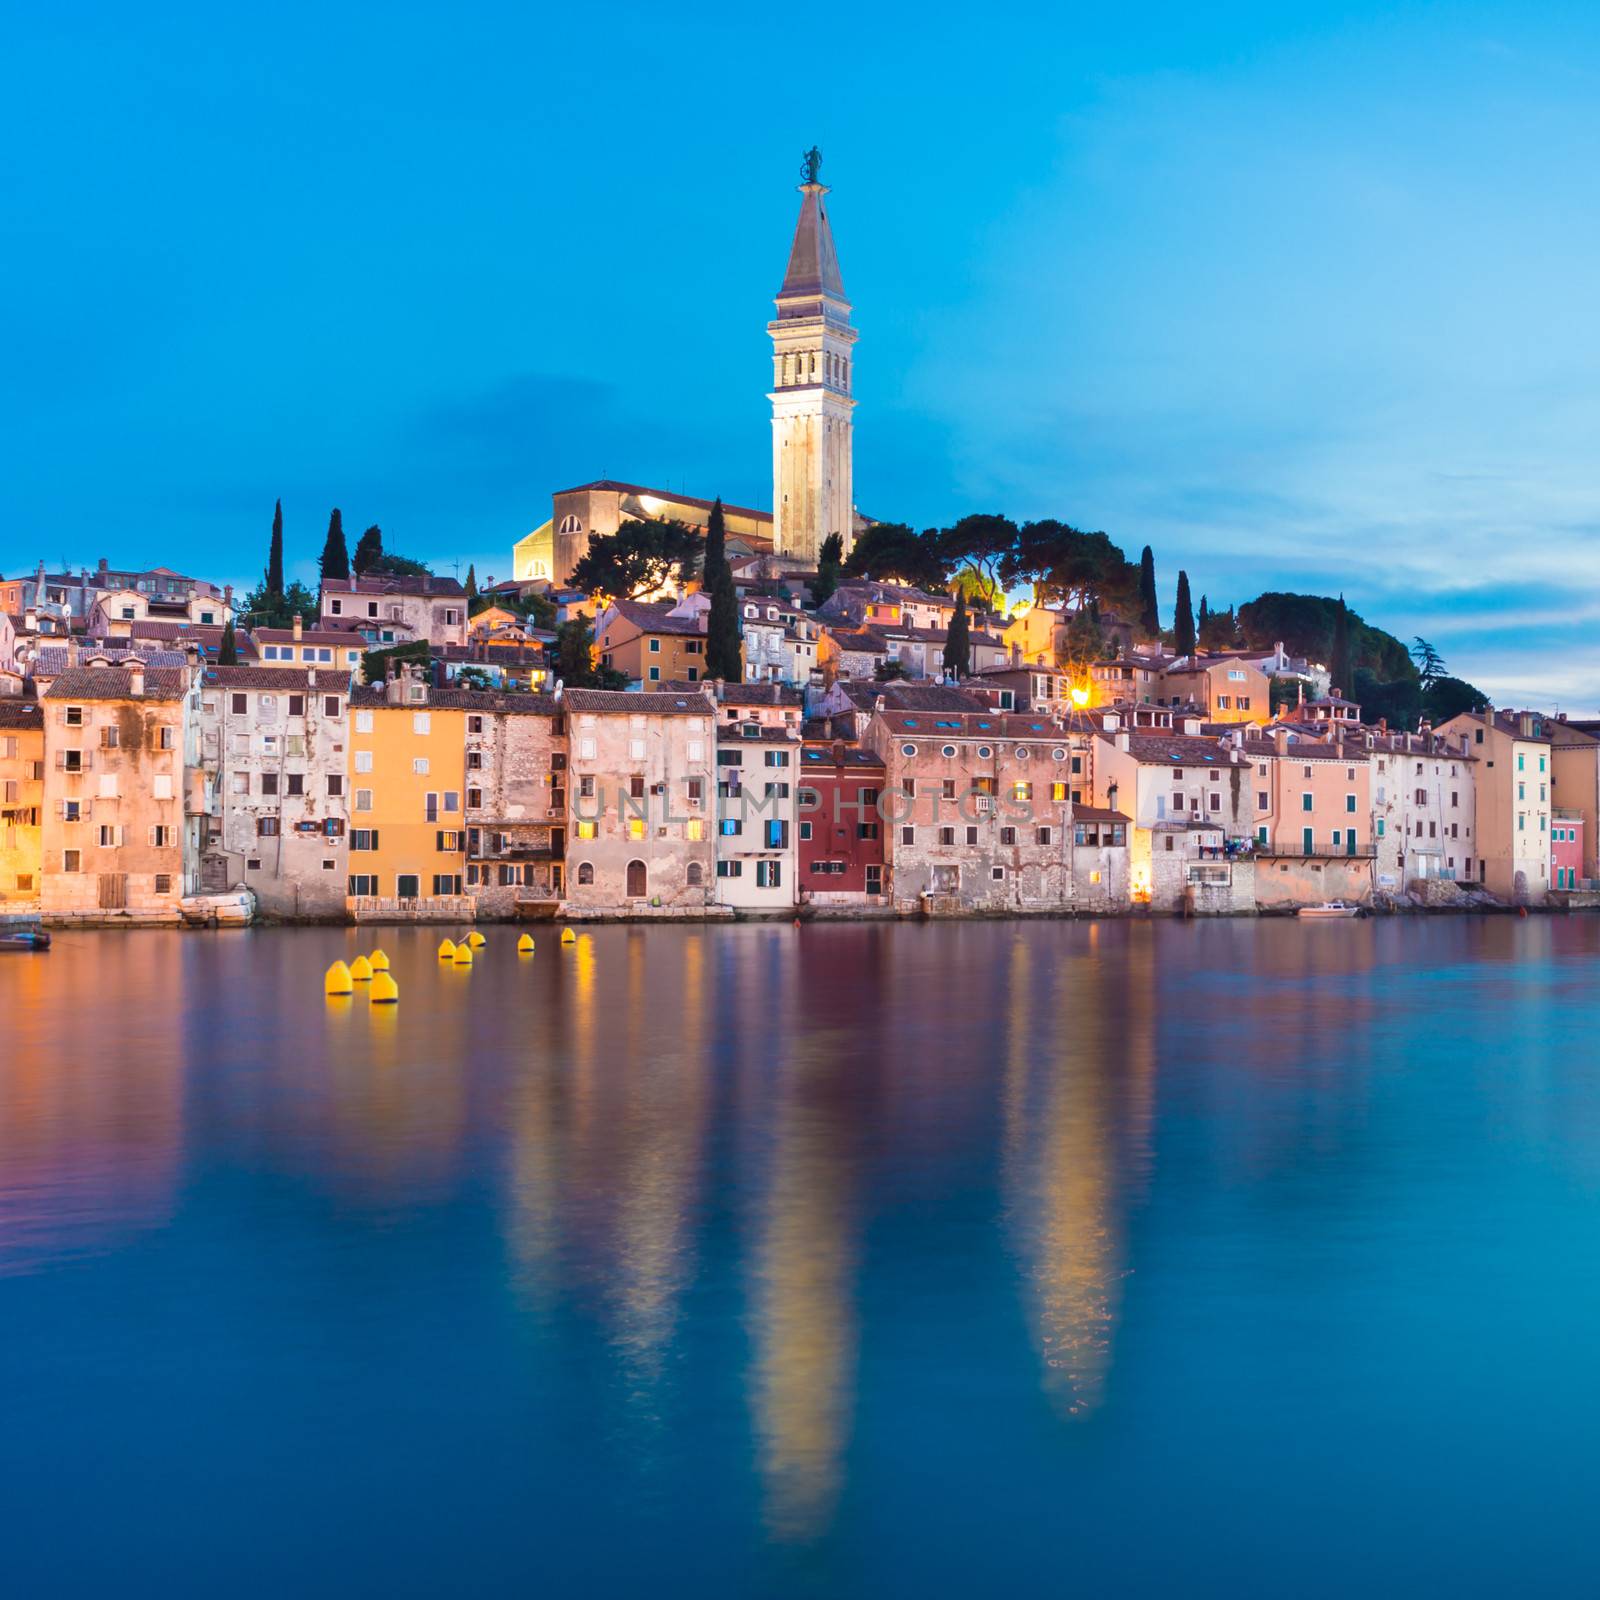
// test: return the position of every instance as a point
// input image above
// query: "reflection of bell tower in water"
(812, 380)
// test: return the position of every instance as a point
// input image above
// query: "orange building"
(651, 643)
(408, 779)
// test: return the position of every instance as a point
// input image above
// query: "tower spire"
(812, 432)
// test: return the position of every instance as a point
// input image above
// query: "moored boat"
(24, 939)
(1330, 908)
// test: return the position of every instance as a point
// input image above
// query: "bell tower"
(812, 388)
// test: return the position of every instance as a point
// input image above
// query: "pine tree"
(335, 560)
(1339, 676)
(1183, 636)
(1149, 605)
(275, 553)
(369, 549)
(228, 650)
(958, 644)
(724, 658)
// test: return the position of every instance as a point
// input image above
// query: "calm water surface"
(1237, 1258)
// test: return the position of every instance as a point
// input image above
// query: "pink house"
(1566, 848)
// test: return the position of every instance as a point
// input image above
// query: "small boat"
(25, 939)
(230, 908)
(1330, 908)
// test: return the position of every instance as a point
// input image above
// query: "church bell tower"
(812, 384)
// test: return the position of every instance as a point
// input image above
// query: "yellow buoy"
(525, 945)
(476, 940)
(463, 955)
(360, 970)
(338, 980)
(379, 961)
(447, 950)
(568, 936)
(385, 991)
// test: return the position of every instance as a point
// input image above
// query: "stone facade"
(1423, 810)
(396, 610)
(273, 748)
(516, 807)
(757, 817)
(120, 838)
(641, 802)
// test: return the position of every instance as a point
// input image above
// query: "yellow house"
(408, 778)
(300, 646)
(651, 643)
(21, 803)
(1230, 689)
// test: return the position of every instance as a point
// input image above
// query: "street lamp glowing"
(1080, 697)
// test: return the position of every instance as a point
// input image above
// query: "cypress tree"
(1202, 619)
(275, 553)
(724, 658)
(228, 650)
(1183, 638)
(830, 568)
(958, 645)
(1149, 605)
(1339, 667)
(335, 559)
(369, 549)
(472, 583)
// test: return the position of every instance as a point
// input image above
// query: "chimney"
(838, 752)
(721, 687)
(297, 626)
(136, 678)
(227, 596)
(1122, 741)
(1280, 739)
(103, 564)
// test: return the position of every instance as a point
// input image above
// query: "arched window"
(570, 524)
(696, 875)
(637, 889)
(586, 872)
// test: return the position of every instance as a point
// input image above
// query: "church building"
(812, 402)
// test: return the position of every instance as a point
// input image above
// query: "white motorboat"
(1330, 908)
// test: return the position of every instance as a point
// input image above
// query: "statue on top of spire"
(811, 165)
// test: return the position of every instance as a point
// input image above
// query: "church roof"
(813, 262)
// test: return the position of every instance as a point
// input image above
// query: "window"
(475, 799)
(730, 827)
(587, 829)
(330, 705)
(447, 883)
(805, 830)
(694, 829)
(269, 783)
(266, 827)
(947, 836)
(730, 869)
(363, 799)
(72, 861)
(908, 836)
(296, 782)
(335, 785)
(1305, 802)
(110, 737)
(72, 761)
(109, 839)
(776, 835)
(163, 837)
(363, 883)
(874, 879)
(363, 838)
(1044, 836)
(72, 717)
(1008, 836)
(240, 704)
(447, 839)
(769, 874)
(421, 722)
(363, 722)
(655, 650)
(1021, 790)
(695, 875)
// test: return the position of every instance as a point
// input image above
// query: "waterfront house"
(977, 811)
(408, 779)
(1513, 751)
(840, 830)
(22, 802)
(273, 745)
(1566, 849)
(641, 803)
(516, 800)
(120, 843)
(1575, 782)
(1423, 809)
(757, 814)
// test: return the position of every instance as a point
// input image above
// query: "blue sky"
(1304, 297)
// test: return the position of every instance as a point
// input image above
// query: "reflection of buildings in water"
(663, 1123)
(1078, 1094)
(802, 1387)
(607, 1144)
(91, 1134)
